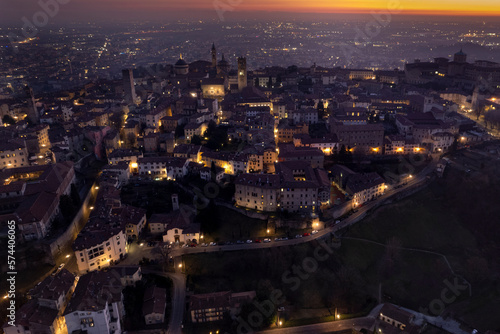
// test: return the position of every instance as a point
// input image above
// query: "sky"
(12, 11)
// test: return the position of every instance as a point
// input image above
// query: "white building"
(97, 304)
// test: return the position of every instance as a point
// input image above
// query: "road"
(354, 218)
(179, 295)
(325, 327)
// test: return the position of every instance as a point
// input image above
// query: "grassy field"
(455, 216)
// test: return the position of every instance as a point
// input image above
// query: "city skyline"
(90, 11)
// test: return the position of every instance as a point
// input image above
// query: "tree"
(163, 251)
(342, 156)
(292, 69)
(270, 82)
(75, 196)
(67, 208)
(196, 140)
(213, 172)
(279, 80)
(132, 139)
(179, 131)
(321, 110)
(7, 119)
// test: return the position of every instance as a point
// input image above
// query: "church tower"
(242, 73)
(214, 56)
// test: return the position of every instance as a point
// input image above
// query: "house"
(296, 186)
(289, 153)
(13, 154)
(397, 317)
(129, 275)
(180, 229)
(33, 318)
(154, 304)
(97, 304)
(194, 129)
(206, 174)
(54, 291)
(34, 194)
(212, 306)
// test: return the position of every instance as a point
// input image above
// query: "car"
(306, 234)
(185, 246)
(193, 245)
(266, 240)
(277, 239)
(228, 243)
(257, 241)
(220, 243)
(249, 241)
(60, 266)
(337, 222)
(240, 242)
(314, 232)
(213, 244)
(298, 236)
(284, 238)
(204, 245)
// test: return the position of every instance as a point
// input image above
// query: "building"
(212, 306)
(170, 168)
(154, 304)
(33, 318)
(13, 154)
(135, 220)
(97, 304)
(314, 156)
(103, 240)
(41, 314)
(328, 144)
(31, 196)
(180, 229)
(286, 132)
(55, 290)
(194, 129)
(206, 174)
(257, 191)
(360, 139)
(393, 319)
(214, 88)
(181, 67)
(296, 186)
(361, 187)
(153, 118)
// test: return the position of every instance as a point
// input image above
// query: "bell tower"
(242, 73)
(214, 56)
